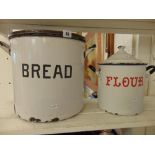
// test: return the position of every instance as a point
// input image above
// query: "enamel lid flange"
(122, 58)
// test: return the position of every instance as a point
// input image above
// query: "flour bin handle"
(151, 69)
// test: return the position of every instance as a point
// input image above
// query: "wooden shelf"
(91, 118)
(96, 25)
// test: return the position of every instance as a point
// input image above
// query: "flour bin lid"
(48, 33)
(122, 58)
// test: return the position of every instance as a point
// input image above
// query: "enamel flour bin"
(122, 79)
(47, 74)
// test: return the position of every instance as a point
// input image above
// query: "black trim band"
(49, 33)
(128, 64)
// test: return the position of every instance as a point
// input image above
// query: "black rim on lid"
(128, 64)
(48, 33)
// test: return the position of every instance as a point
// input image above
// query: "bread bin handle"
(6, 47)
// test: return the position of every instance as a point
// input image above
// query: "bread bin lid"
(46, 33)
(122, 58)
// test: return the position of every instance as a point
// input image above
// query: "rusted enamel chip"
(32, 119)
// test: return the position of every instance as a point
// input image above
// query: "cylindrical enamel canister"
(47, 74)
(122, 80)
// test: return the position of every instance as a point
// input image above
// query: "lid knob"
(121, 48)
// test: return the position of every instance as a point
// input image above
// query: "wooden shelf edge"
(91, 118)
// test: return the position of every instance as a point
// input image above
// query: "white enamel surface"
(100, 90)
(121, 100)
(46, 99)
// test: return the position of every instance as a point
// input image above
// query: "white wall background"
(125, 40)
(144, 48)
